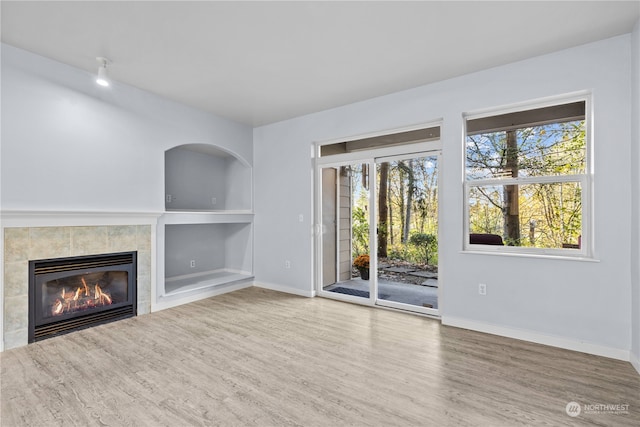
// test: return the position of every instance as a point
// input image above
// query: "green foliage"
(360, 231)
(413, 254)
(425, 245)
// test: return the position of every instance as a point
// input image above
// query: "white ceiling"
(262, 62)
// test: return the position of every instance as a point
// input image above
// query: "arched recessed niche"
(205, 237)
(204, 177)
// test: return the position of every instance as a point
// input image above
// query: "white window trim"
(587, 249)
(384, 151)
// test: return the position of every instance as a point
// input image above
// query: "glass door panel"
(407, 237)
(345, 230)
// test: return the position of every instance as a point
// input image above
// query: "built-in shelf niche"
(201, 177)
(206, 232)
(200, 256)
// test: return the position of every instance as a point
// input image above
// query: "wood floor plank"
(263, 358)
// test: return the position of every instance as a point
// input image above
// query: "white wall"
(192, 179)
(68, 144)
(573, 304)
(635, 199)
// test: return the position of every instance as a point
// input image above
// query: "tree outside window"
(526, 176)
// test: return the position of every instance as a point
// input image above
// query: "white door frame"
(420, 149)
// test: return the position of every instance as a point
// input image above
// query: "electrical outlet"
(301, 218)
(214, 200)
(168, 198)
(287, 264)
(192, 263)
(482, 289)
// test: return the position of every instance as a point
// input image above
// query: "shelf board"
(192, 282)
(210, 211)
(206, 217)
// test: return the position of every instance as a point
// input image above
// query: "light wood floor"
(262, 358)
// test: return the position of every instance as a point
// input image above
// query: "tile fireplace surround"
(31, 237)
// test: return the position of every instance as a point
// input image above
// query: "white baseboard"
(285, 289)
(635, 362)
(550, 340)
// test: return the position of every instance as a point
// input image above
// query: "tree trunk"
(383, 211)
(390, 206)
(512, 209)
(401, 208)
(410, 191)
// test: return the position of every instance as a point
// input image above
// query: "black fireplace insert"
(68, 294)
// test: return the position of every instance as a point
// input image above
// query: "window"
(526, 186)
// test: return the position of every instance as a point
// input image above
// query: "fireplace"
(68, 294)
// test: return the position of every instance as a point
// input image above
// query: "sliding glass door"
(379, 231)
(407, 232)
(345, 230)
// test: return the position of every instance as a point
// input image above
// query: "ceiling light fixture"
(102, 79)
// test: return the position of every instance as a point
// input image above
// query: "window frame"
(586, 250)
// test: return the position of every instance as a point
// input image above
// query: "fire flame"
(104, 298)
(79, 299)
(57, 307)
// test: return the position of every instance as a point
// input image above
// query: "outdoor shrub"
(425, 244)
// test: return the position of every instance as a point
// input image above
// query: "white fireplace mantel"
(19, 218)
